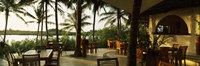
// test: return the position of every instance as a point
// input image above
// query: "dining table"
(45, 55)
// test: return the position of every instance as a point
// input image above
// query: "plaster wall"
(189, 15)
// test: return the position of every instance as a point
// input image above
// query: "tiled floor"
(67, 60)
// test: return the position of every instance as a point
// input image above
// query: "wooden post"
(132, 60)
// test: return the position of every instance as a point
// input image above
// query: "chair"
(164, 56)
(93, 46)
(55, 59)
(108, 43)
(107, 62)
(31, 60)
(162, 63)
(140, 55)
(174, 51)
(118, 46)
(181, 55)
(125, 47)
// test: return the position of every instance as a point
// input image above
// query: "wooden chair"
(31, 60)
(162, 63)
(140, 55)
(181, 55)
(174, 52)
(93, 46)
(164, 55)
(125, 47)
(55, 59)
(108, 43)
(107, 62)
(118, 47)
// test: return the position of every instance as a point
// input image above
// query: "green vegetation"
(18, 32)
(68, 43)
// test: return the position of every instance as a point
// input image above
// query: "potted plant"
(152, 54)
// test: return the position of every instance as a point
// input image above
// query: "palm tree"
(113, 16)
(70, 23)
(47, 2)
(38, 17)
(97, 4)
(80, 6)
(16, 7)
(13, 6)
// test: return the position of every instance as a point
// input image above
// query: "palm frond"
(107, 13)
(30, 15)
(21, 18)
(104, 18)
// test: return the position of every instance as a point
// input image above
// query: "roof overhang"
(127, 5)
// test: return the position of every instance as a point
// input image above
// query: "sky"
(15, 23)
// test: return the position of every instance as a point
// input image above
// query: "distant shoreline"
(19, 32)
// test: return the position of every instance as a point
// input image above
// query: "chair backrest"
(161, 63)
(41, 47)
(108, 43)
(107, 62)
(56, 47)
(175, 47)
(164, 55)
(139, 53)
(118, 45)
(31, 60)
(182, 51)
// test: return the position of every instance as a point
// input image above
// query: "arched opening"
(171, 24)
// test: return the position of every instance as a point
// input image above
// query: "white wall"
(188, 15)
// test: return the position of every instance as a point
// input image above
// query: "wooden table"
(44, 55)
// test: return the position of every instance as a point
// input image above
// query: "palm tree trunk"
(37, 32)
(118, 23)
(133, 34)
(78, 28)
(47, 37)
(56, 17)
(94, 25)
(42, 22)
(41, 33)
(6, 25)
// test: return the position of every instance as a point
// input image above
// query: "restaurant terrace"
(155, 33)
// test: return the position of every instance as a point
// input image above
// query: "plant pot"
(152, 57)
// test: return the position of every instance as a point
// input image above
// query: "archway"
(171, 24)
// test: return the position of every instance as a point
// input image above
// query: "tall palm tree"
(56, 8)
(80, 4)
(47, 2)
(13, 6)
(38, 17)
(56, 18)
(97, 4)
(16, 7)
(115, 15)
